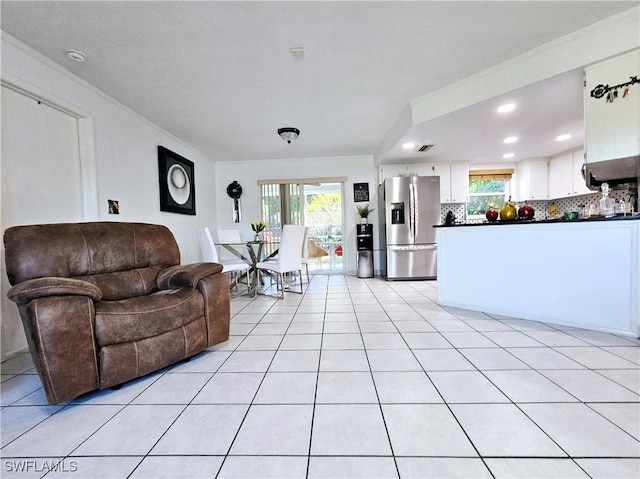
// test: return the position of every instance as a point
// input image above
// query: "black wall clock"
(234, 191)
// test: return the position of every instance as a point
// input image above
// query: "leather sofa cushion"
(146, 316)
(125, 284)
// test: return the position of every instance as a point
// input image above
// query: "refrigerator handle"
(412, 209)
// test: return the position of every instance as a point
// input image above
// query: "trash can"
(364, 237)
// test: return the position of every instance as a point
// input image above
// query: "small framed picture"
(177, 183)
(360, 192)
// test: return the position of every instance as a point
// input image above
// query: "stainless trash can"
(364, 236)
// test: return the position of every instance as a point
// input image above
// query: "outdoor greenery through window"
(315, 204)
(486, 189)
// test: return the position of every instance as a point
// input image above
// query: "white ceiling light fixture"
(297, 51)
(288, 133)
(510, 139)
(409, 145)
(76, 55)
(506, 156)
(506, 108)
(564, 137)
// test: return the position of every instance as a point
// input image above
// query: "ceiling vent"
(425, 148)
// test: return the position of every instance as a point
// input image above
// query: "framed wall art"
(177, 183)
(360, 192)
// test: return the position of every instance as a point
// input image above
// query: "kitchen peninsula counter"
(635, 216)
(580, 273)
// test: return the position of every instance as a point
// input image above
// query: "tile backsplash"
(541, 207)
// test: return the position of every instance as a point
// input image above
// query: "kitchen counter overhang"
(583, 274)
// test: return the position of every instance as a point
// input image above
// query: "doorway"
(314, 203)
(41, 182)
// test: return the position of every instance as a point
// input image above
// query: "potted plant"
(363, 212)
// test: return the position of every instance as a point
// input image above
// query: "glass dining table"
(257, 251)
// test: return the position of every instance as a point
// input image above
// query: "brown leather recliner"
(103, 303)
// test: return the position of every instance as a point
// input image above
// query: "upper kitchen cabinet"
(612, 122)
(565, 178)
(454, 181)
(454, 177)
(459, 182)
(531, 180)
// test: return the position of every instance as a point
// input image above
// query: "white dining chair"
(305, 253)
(289, 258)
(231, 236)
(232, 265)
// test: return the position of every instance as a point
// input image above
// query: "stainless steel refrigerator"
(411, 206)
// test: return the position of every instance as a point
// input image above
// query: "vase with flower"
(258, 227)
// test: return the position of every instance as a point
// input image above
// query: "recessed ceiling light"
(506, 108)
(76, 55)
(506, 156)
(409, 145)
(511, 139)
(563, 137)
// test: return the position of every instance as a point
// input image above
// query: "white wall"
(124, 148)
(358, 169)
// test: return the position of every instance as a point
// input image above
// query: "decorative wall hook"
(612, 91)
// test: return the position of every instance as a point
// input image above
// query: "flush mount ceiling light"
(288, 134)
(506, 108)
(511, 139)
(76, 55)
(564, 137)
(409, 145)
(506, 156)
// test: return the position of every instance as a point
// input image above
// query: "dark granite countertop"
(636, 216)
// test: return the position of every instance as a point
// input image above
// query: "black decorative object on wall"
(612, 91)
(177, 183)
(234, 191)
(360, 192)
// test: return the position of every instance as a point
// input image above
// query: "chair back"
(230, 236)
(122, 259)
(290, 251)
(305, 246)
(207, 246)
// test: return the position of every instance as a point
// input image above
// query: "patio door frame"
(284, 191)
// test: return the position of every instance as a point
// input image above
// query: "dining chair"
(231, 236)
(210, 254)
(289, 258)
(305, 253)
(314, 252)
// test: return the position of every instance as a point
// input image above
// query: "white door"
(41, 181)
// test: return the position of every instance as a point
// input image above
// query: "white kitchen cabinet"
(565, 178)
(561, 177)
(579, 184)
(454, 178)
(612, 129)
(454, 182)
(459, 182)
(444, 172)
(531, 180)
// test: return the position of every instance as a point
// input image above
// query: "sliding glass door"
(315, 204)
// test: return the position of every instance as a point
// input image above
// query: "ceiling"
(220, 75)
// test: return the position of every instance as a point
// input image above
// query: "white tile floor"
(357, 378)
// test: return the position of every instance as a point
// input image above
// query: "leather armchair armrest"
(186, 275)
(36, 288)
